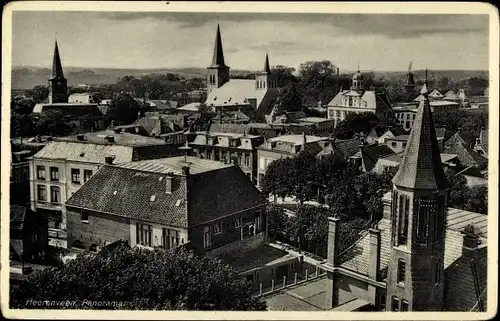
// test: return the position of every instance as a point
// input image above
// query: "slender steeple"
(58, 85)
(421, 166)
(218, 57)
(218, 72)
(57, 71)
(267, 69)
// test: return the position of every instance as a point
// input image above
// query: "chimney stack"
(470, 242)
(304, 138)
(169, 183)
(374, 253)
(333, 240)
(109, 159)
(185, 170)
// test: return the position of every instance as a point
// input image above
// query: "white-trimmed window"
(207, 240)
(218, 227)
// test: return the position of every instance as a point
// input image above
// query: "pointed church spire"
(218, 58)
(57, 71)
(421, 166)
(266, 65)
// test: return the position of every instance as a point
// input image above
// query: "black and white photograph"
(297, 160)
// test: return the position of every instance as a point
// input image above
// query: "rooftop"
(123, 139)
(264, 255)
(296, 139)
(175, 164)
(401, 138)
(313, 119)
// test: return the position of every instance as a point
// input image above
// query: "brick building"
(168, 202)
(65, 164)
(240, 149)
(421, 256)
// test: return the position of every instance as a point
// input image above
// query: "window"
(350, 101)
(404, 144)
(170, 238)
(84, 217)
(87, 173)
(55, 194)
(422, 219)
(237, 221)
(143, 235)
(26, 174)
(437, 272)
(40, 172)
(395, 304)
(206, 237)
(75, 176)
(247, 160)
(262, 163)
(381, 302)
(401, 271)
(394, 144)
(404, 213)
(42, 193)
(404, 305)
(209, 155)
(218, 228)
(54, 174)
(249, 175)
(257, 221)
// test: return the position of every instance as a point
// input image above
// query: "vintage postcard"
(247, 160)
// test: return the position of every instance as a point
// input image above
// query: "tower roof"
(57, 71)
(218, 58)
(266, 65)
(421, 164)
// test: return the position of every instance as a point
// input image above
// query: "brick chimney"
(374, 253)
(185, 170)
(471, 242)
(333, 240)
(169, 184)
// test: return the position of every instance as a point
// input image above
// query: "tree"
(276, 219)
(22, 105)
(284, 76)
(477, 199)
(139, 279)
(52, 123)
(39, 93)
(289, 100)
(204, 109)
(123, 109)
(458, 189)
(279, 178)
(21, 125)
(356, 123)
(303, 176)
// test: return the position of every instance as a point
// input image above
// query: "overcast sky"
(167, 40)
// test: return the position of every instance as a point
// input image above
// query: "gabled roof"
(346, 148)
(81, 152)
(239, 92)
(370, 99)
(467, 156)
(421, 166)
(436, 94)
(123, 139)
(371, 154)
(212, 190)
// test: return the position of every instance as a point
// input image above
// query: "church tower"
(357, 81)
(264, 80)
(218, 72)
(415, 275)
(58, 85)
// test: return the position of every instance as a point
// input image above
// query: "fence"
(284, 283)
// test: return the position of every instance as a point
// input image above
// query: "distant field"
(28, 77)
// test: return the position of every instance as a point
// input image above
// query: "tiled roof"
(421, 164)
(221, 193)
(372, 153)
(212, 190)
(460, 138)
(122, 139)
(346, 148)
(190, 107)
(82, 152)
(230, 128)
(467, 156)
(223, 140)
(17, 216)
(174, 165)
(457, 219)
(127, 192)
(371, 98)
